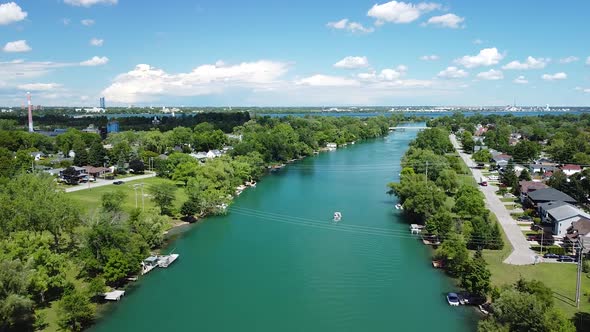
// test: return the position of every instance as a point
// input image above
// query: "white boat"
(337, 216)
(399, 206)
(149, 264)
(165, 261)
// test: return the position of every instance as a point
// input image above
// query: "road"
(521, 253)
(100, 183)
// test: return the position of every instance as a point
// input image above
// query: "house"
(96, 172)
(54, 171)
(560, 215)
(541, 168)
(502, 159)
(38, 155)
(547, 175)
(529, 186)
(570, 170)
(331, 146)
(545, 161)
(200, 155)
(578, 231)
(78, 176)
(211, 154)
(540, 196)
(480, 130)
(217, 153)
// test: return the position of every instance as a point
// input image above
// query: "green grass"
(89, 199)
(508, 200)
(467, 180)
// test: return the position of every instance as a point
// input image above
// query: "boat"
(166, 260)
(399, 206)
(149, 264)
(416, 229)
(337, 216)
(251, 183)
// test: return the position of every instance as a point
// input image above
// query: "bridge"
(407, 128)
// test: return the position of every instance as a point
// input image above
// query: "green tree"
(163, 194)
(454, 253)
(441, 223)
(74, 311)
(476, 278)
(137, 166)
(185, 171)
(97, 154)
(117, 267)
(482, 156)
(112, 202)
(526, 151)
(467, 141)
(448, 180)
(536, 288)
(525, 175)
(16, 308)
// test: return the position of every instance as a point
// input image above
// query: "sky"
(294, 53)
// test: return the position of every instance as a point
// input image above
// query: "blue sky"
(287, 53)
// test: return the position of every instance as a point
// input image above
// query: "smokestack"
(30, 113)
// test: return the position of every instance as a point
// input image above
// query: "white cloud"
(146, 83)
(569, 59)
(588, 61)
(95, 61)
(486, 57)
(88, 3)
(353, 27)
(446, 21)
(478, 41)
(18, 46)
(432, 57)
(491, 75)
(10, 13)
(452, 73)
(400, 12)
(87, 22)
(66, 21)
(20, 69)
(326, 80)
(96, 42)
(529, 63)
(388, 74)
(554, 77)
(352, 62)
(521, 80)
(39, 86)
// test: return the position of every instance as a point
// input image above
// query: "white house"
(570, 170)
(38, 155)
(561, 215)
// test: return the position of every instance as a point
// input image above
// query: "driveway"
(100, 183)
(521, 252)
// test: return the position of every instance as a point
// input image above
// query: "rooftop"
(550, 194)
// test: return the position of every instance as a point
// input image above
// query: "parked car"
(550, 255)
(118, 182)
(566, 259)
(524, 218)
(453, 299)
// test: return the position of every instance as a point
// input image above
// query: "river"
(277, 262)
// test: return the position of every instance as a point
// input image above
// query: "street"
(101, 182)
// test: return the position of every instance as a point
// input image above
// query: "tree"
(149, 225)
(454, 253)
(81, 157)
(482, 156)
(70, 175)
(525, 175)
(420, 198)
(117, 267)
(467, 141)
(536, 288)
(441, 223)
(163, 194)
(16, 308)
(526, 151)
(509, 177)
(469, 202)
(137, 166)
(448, 180)
(185, 171)
(112, 202)
(74, 311)
(97, 154)
(476, 278)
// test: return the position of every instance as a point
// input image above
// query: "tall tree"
(163, 195)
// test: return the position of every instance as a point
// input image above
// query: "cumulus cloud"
(87, 22)
(39, 86)
(554, 77)
(353, 27)
(491, 75)
(19, 46)
(486, 57)
(145, 83)
(529, 63)
(327, 80)
(95, 61)
(400, 12)
(446, 21)
(432, 57)
(520, 80)
(96, 42)
(10, 13)
(352, 62)
(89, 3)
(569, 59)
(452, 73)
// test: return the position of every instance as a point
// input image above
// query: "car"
(524, 218)
(453, 299)
(118, 182)
(566, 259)
(550, 255)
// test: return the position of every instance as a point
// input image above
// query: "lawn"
(89, 199)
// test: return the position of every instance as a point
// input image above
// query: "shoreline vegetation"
(60, 252)
(518, 299)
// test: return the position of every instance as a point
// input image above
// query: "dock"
(430, 241)
(115, 295)
(416, 229)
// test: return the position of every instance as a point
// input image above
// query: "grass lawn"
(507, 200)
(89, 199)
(467, 179)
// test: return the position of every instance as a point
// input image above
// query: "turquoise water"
(277, 262)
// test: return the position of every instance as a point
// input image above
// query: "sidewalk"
(101, 183)
(521, 252)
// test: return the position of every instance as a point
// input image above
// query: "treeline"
(454, 213)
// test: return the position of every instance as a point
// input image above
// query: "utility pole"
(579, 277)
(542, 235)
(142, 202)
(426, 171)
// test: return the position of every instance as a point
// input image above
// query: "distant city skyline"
(269, 53)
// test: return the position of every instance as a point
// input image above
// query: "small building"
(529, 186)
(38, 155)
(560, 215)
(332, 146)
(579, 231)
(97, 172)
(570, 170)
(540, 196)
(113, 126)
(502, 159)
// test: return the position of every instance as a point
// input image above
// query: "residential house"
(579, 231)
(570, 170)
(529, 186)
(545, 161)
(541, 168)
(480, 130)
(54, 171)
(331, 146)
(38, 155)
(79, 175)
(213, 154)
(560, 215)
(540, 196)
(97, 172)
(502, 159)
(200, 155)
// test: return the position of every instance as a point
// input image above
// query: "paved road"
(100, 183)
(521, 254)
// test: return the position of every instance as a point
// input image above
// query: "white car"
(453, 299)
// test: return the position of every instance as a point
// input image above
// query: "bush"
(551, 250)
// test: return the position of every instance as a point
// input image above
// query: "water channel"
(277, 262)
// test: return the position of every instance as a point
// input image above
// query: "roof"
(92, 169)
(582, 226)
(550, 194)
(565, 212)
(571, 167)
(526, 186)
(502, 157)
(551, 205)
